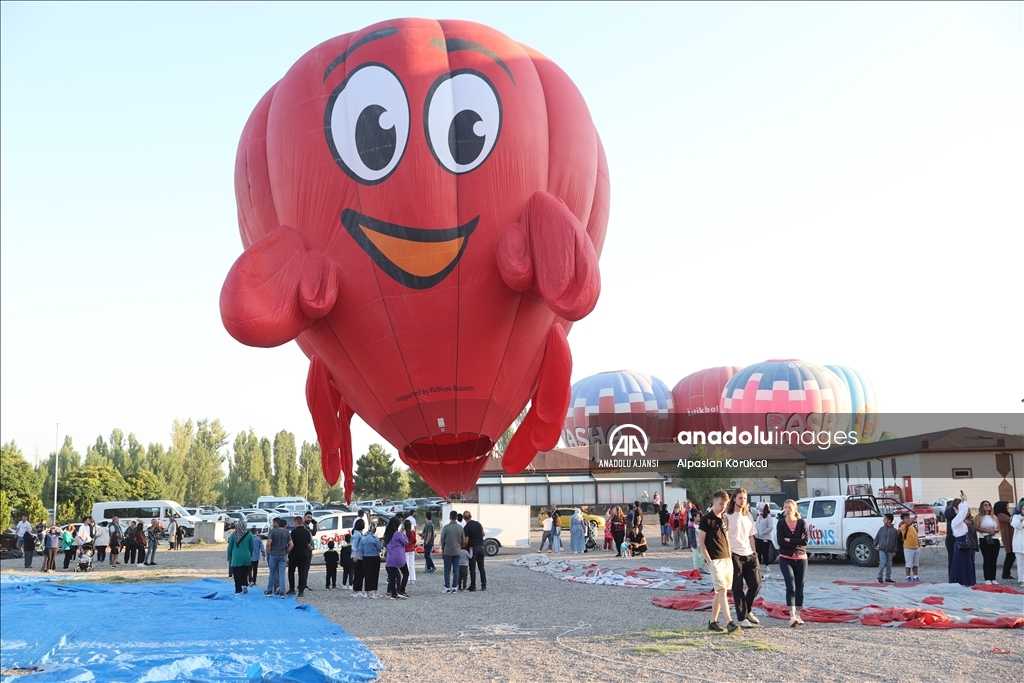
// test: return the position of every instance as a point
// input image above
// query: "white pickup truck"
(504, 525)
(845, 526)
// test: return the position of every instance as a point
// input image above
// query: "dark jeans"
(29, 554)
(990, 556)
(795, 573)
(762, 550)
(347, 575)
(129, 554)
(477, 562)
(358, 575)
(950, 541)
(300, 562)
(253, 571)
(69, 555)
(744, 568)
(371, 571)
(428, 561)
(241, 578)
(398, 578)
(332, 576)
(451, 571)
(101, 553)
(1008, 562)
(545, 537)
(619, 537)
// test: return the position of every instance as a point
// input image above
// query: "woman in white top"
(744, 560)
(1017, 522)
(962, 571)
(546, 536)
(102, 541)
(988, 528)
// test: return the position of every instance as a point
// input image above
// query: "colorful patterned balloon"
(863, 403)
(786, 394)
(608, 399)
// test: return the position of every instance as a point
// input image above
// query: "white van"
(293, 503)
(145, 511)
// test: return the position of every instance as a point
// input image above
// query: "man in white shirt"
(22, 528)
(84, 534)
(744, 559)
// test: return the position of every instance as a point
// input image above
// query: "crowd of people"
(967, 534)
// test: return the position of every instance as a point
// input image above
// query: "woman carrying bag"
(240, 556)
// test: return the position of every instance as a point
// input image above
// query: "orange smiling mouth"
(414, 257)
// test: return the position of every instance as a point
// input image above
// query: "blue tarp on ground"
(199, 631)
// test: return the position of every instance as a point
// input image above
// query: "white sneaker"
(745, 624)
(140, 565)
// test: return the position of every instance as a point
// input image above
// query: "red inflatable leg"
(331, 418)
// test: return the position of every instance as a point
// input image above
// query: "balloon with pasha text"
(422, 205)
(607, 400)
(789, 395)
(696, 399)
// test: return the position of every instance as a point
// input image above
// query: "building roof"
(958, 440)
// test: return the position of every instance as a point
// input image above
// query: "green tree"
(267, 460)
(68, 460)
(418, 488)
(20, 484)
(6, 510)
(87, 485)
(98, 454)
(247, 471)
(145, 485)
(286, 470)
(170, 465)
(118, 452)
(137, 459)
(376, 475)
(203, 463)
(701, 484)
(312, 473)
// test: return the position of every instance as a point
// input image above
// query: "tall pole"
(56, 463)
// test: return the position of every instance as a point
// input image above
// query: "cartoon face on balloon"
(422, 206)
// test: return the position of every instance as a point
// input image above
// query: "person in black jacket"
(791, 533)
(474, 532)
(300, 556)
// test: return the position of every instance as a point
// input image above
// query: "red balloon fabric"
(422, 206)
(696, 398)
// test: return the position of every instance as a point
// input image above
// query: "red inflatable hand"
(276, 289)
(548, 249)
(542, 426)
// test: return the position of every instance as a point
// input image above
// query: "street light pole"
(56, 464)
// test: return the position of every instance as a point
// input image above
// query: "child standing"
(885, 544)
(331, 559)
(346, 561)
(464, 557)
(911, 546)
(258, 551)
(609, 540)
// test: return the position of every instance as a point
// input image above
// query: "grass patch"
(663, 641)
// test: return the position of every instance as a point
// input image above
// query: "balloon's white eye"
(462, 120)
(367, 123)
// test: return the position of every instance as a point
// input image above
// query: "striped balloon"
(600, 402)
(863, 403)
(786, 394)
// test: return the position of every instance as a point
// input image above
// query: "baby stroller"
(85, 558)
(591, 541)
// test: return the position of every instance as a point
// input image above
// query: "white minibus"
(293, 503)
(145, 511)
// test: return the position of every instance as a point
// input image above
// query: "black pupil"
(464, 144)
(375, 145)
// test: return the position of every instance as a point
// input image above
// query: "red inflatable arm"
(548, 249)
(331, 418)
(542, 426)
(276, 289)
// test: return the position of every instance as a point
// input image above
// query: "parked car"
(259, 522)
(939, 508)
(232, 518)
(235, 508)
(595, 521)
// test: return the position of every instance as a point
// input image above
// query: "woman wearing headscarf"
(763, 536)
(240, 556)
(397, 568)
(577, 535)
(962, 570)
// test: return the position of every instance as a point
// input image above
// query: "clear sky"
(838, 183)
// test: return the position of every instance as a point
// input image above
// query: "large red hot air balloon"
(696, 398)
(422, 205)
